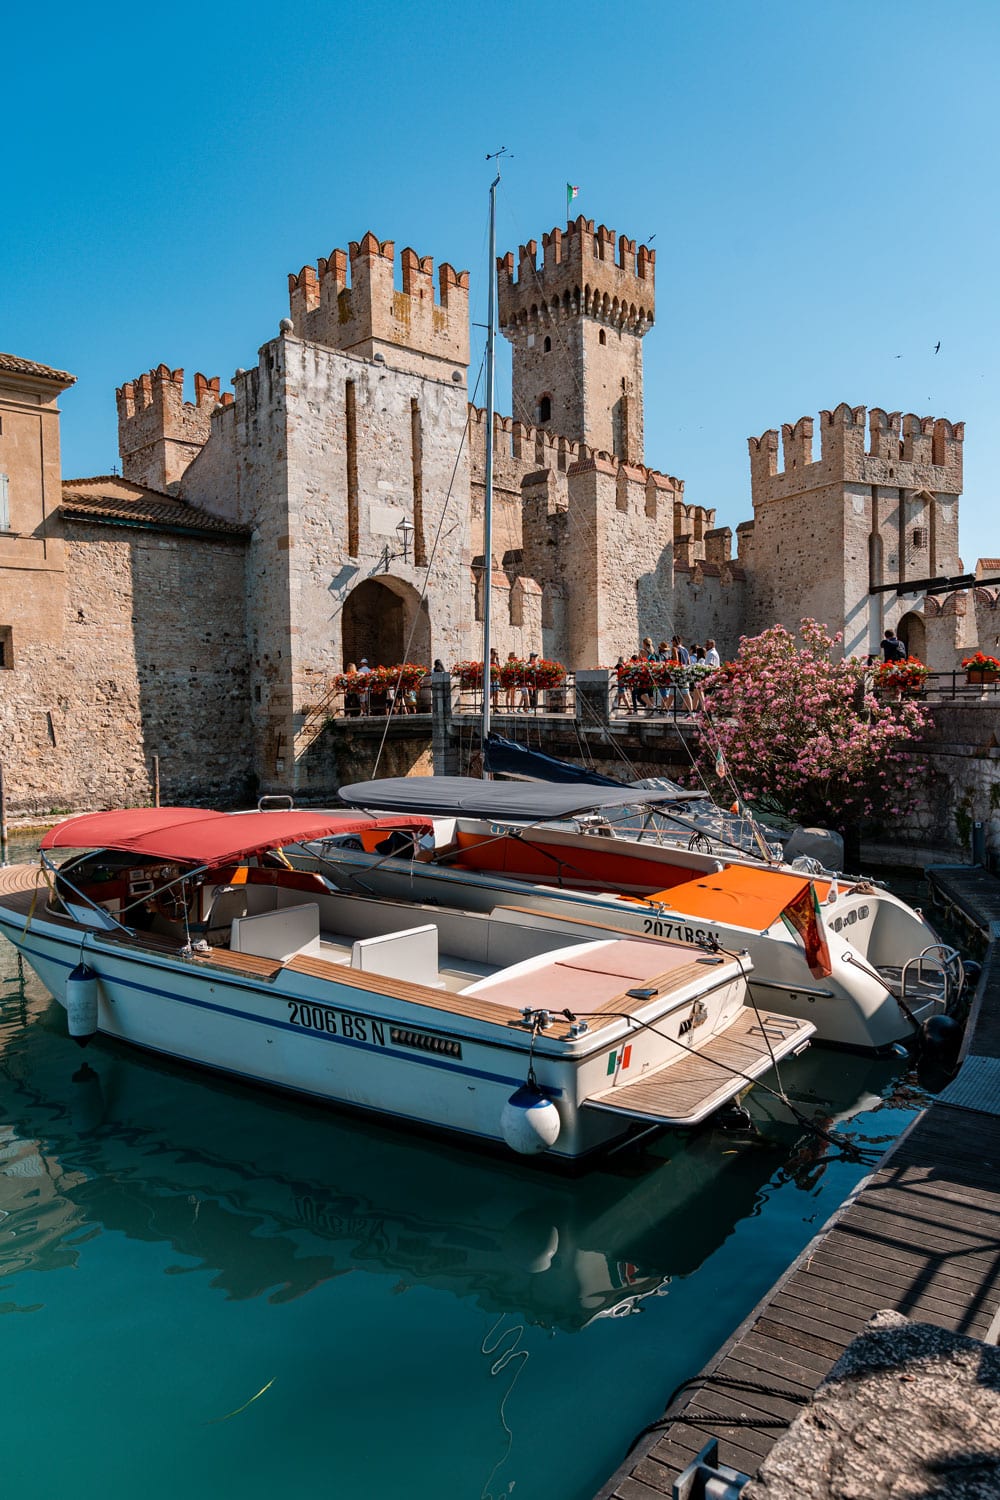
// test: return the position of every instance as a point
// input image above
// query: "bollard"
(979, 844)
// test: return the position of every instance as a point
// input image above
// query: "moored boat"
(189, 933)
(853, 959)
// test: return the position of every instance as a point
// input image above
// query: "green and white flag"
(571, 193)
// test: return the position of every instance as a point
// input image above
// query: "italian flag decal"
(620, 1058)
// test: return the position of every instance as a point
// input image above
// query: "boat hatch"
(686, 1092)
(740, 894)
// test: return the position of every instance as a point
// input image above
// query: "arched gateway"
(912, 633)
(386, 621)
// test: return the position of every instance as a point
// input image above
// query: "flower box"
(896, 678)
(981, 669)
(530, 674)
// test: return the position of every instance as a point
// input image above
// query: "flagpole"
(484, 730)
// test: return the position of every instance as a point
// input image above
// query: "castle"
(331, 508)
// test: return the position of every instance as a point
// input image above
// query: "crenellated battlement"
(349, 301)
(580, 273)
(159, 433)
(542, 449)
(862, 446)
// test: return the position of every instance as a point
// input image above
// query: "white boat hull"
(348, 1042)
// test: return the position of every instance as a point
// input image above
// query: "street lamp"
(405, 531)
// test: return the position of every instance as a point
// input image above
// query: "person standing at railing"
(681, 660)
(697, 692)
(352, 698)
(365, 696)
(532, 682)
(512, 684)
(621, 698)
(892, 647)
(494, 678)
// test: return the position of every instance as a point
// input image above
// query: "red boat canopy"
(191, 835)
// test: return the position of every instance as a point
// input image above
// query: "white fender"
(81, 1004)
(529, 1122)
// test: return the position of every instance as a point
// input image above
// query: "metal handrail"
(942, 960)
(944, 686)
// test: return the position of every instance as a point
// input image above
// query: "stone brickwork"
(127, 670)
(576, 324)
(159, 433)
(331, 508)
(368, 317)
(862, 513)
(327, 457)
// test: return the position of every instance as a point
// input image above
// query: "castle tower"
(159, 433)
(878, 506)
(363, 314)
(576, 324)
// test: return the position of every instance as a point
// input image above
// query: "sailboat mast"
(488, 497)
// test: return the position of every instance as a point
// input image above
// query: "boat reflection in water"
(276, 1198)
(279, 1238)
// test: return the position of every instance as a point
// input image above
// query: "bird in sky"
(937, 346)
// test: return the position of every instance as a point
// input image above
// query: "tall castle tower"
(577, 324)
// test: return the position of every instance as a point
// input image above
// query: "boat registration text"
(680, 932)
(336, 1022)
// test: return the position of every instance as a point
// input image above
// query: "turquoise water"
(202, 1286)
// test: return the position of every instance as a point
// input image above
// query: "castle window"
(547, 346)
(602, 337)
(919, 537)
(545, 409)
(6, 648)
(4, 504)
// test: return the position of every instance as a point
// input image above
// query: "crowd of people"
(682, 689)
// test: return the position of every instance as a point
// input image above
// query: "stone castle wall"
(885, 507)
(130, 670)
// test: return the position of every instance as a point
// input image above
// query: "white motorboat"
(851, 958)
(189, 933)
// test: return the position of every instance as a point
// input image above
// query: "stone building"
(330, 508)
(105, 663)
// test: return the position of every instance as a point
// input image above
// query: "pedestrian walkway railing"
(958, 685)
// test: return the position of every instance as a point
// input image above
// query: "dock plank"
(921, 1237)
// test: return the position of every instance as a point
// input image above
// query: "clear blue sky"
(820, 178)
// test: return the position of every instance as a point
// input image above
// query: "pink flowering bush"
(803, 734)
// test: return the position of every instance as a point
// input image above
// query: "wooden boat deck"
(686, 1091)
(23, 889)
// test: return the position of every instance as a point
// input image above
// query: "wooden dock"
(920, 1236)
(972, 892)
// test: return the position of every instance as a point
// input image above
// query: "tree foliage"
(802, 733)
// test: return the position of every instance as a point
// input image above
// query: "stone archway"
(912, 633)
(386, 621)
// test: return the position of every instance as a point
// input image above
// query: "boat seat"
(411, 954)
(228, 902)
(281, 934)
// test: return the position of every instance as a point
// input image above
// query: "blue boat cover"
(506, 758)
